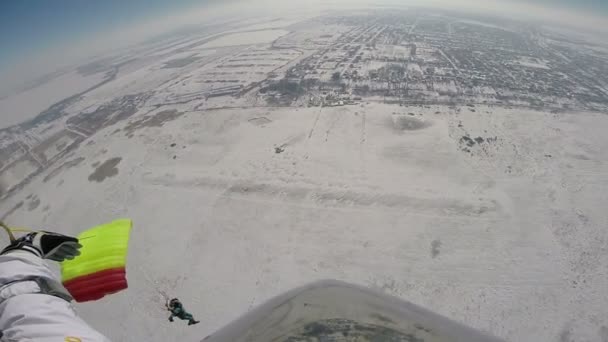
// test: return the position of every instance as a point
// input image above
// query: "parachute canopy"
(100, 269)
(331, 310)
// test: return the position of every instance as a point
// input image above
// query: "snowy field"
(506, 235)
(492, 216)
(246, 38)
(29, 103)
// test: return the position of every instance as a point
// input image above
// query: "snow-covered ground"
(246, 38)
(491, 216)
(507, 235)
(27, 104)
(532, 63)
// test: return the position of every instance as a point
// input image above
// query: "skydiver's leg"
(190, 319)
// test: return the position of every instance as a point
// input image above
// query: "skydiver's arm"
(175, 311)
(34, 306)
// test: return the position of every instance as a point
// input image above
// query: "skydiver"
(34, 306)
(177, 310)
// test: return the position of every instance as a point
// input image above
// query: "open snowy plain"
(509, 240)
(493, 215)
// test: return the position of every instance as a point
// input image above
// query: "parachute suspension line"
(156, 287)
(22, 230)
(8, 230)
(11, 236)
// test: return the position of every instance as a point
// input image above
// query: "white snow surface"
(246, 38)
(26, 105)
(228, 223)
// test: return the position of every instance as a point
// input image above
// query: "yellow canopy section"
(103, 247)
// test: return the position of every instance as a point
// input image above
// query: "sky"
(28, 28)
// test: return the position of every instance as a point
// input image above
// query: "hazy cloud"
(125, 35)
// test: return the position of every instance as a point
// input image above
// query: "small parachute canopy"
(100, 269)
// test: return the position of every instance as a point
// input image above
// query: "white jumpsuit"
(34, 306)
